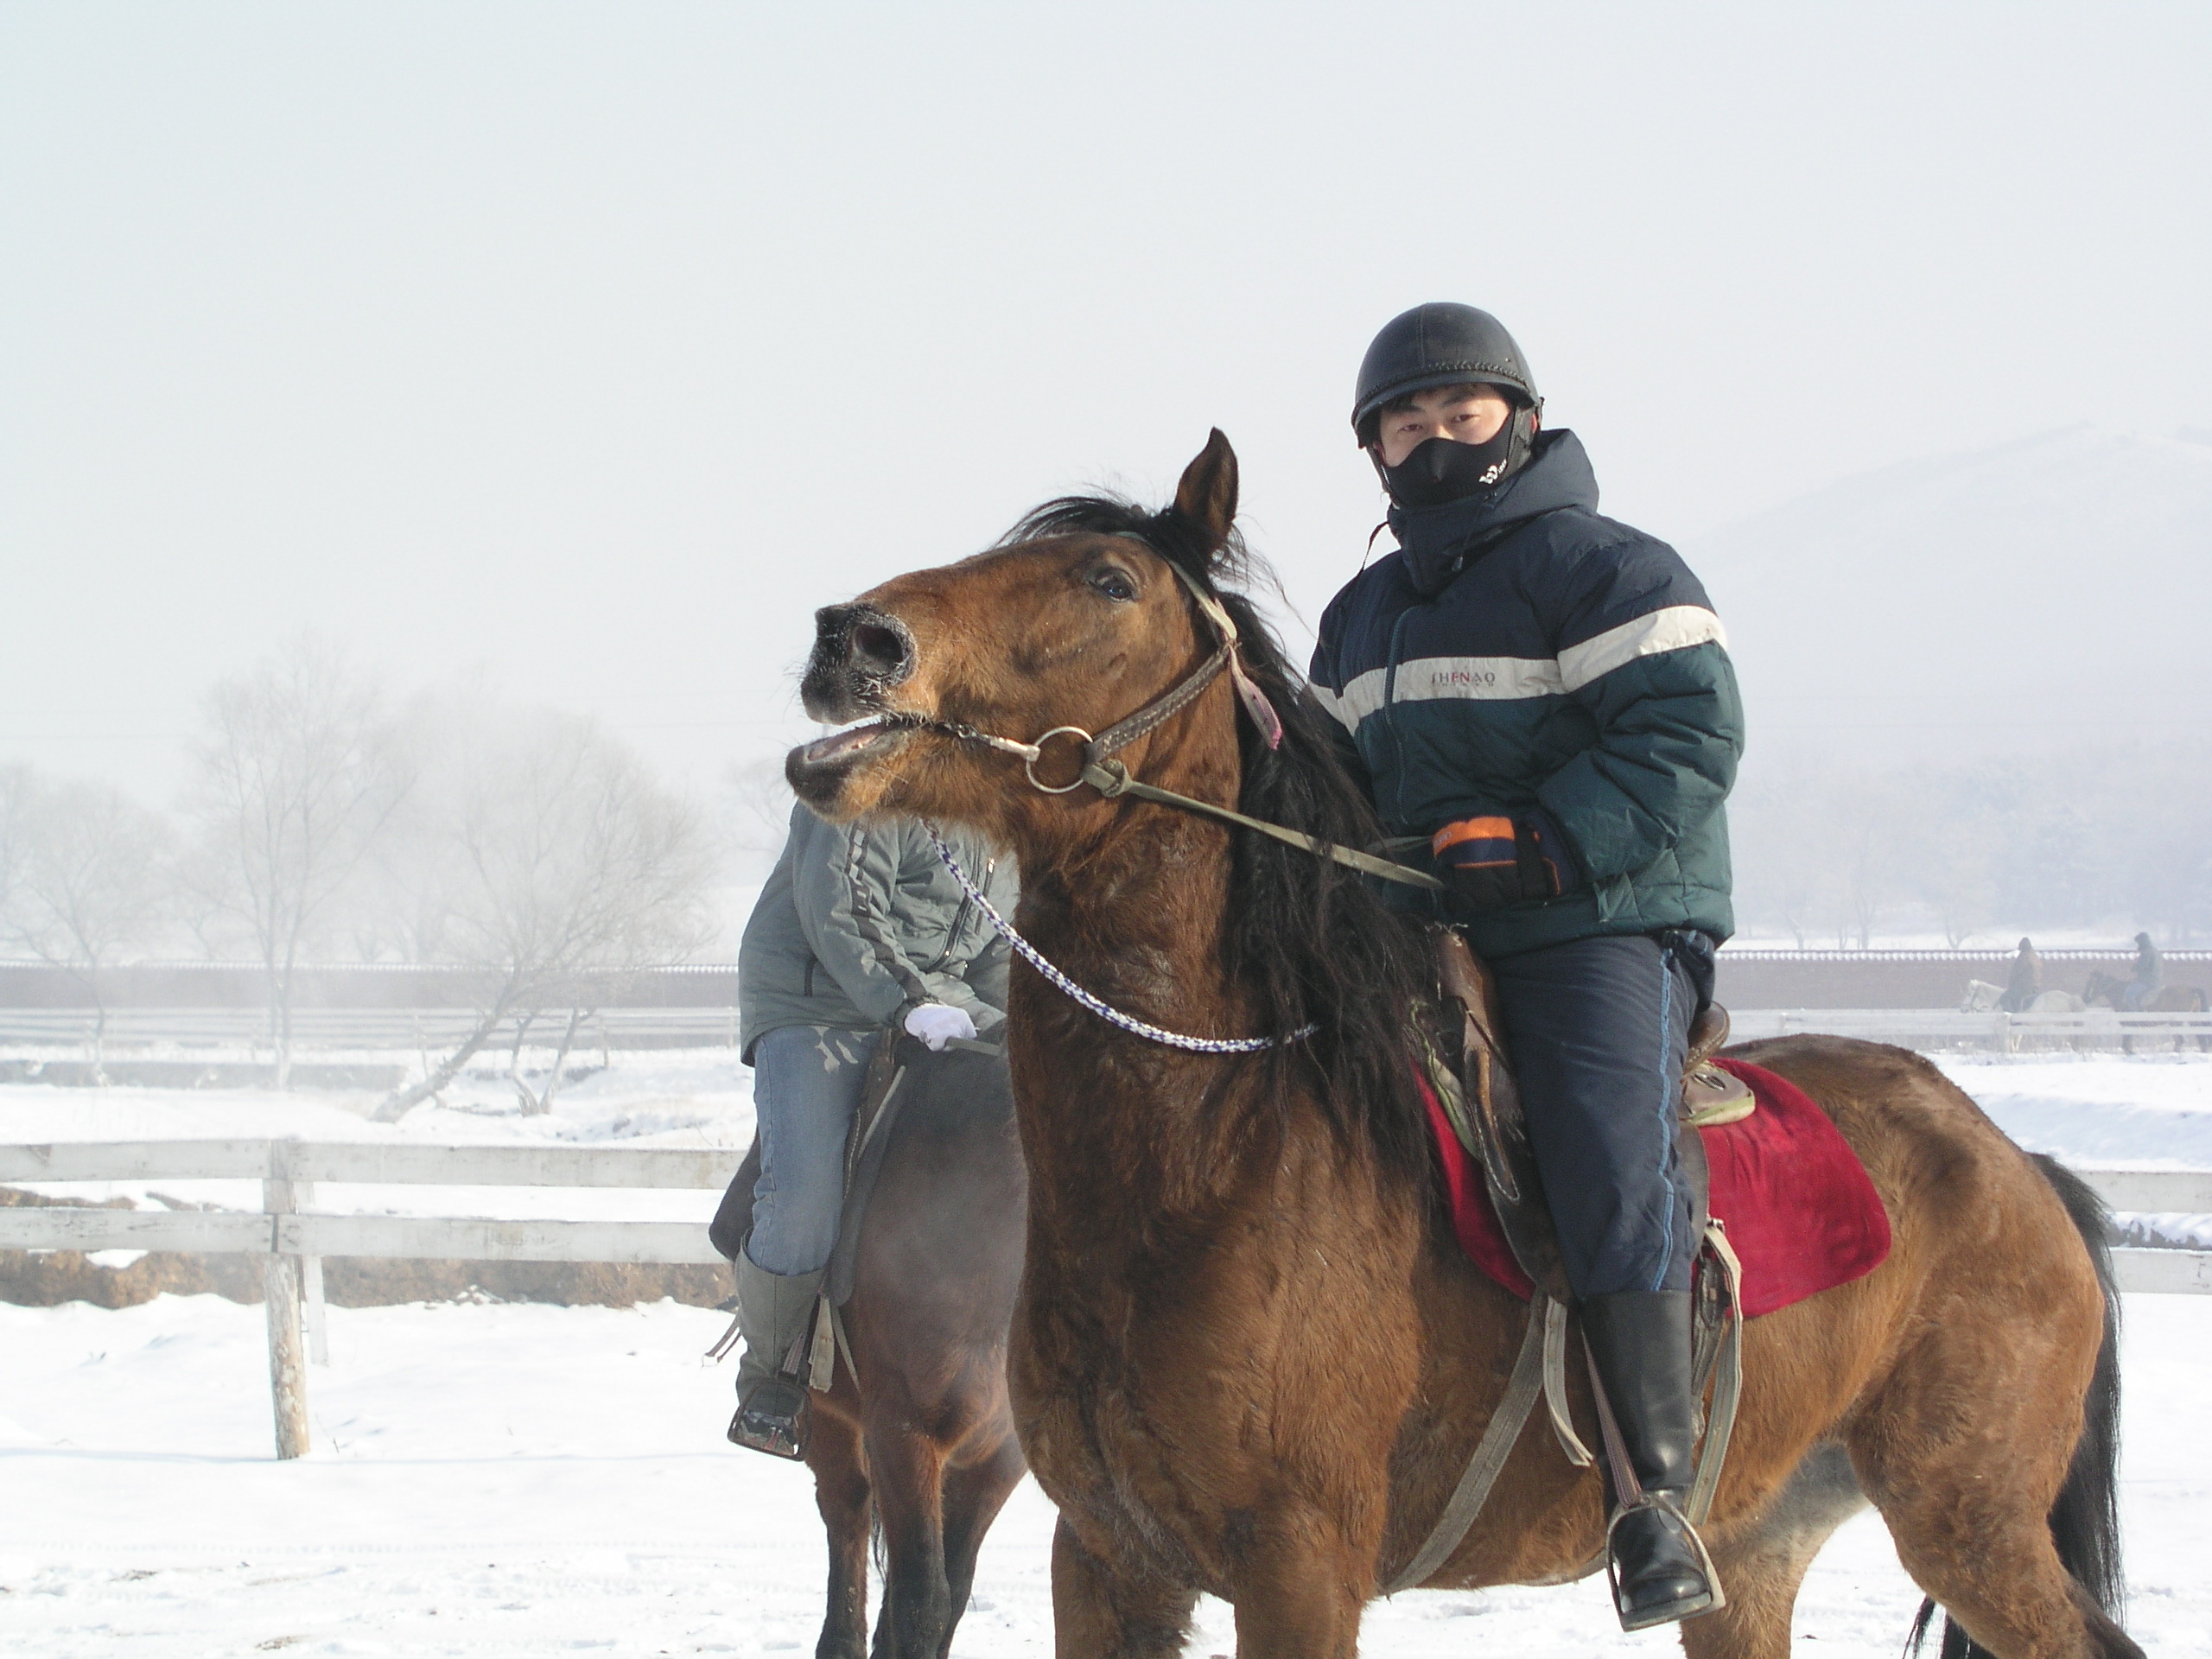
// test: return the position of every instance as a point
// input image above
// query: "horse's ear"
(1207, 495)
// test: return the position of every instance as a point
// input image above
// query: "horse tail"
(2085, 1518)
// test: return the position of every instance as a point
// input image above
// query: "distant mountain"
(2041, 593)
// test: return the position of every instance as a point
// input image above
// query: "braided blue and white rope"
(1112, 1015)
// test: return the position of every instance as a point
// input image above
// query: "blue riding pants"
(806, 1086)
(1597, 1030)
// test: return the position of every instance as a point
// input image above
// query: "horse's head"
(1076, 621)
(1088, 613)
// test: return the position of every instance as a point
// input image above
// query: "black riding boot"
(1640, 1343)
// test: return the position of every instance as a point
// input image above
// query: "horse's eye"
(1114, 584)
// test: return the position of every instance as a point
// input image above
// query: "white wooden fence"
(293, 1240)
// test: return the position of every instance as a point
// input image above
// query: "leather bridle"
(1111, 777)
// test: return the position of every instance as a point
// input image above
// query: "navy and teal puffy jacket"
(1519, 656)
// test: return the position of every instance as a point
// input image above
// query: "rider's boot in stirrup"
(1640, 1343)
(774, 1312)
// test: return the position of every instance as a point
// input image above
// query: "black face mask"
(1440, 470)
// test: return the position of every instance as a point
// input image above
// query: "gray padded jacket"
(859, 923)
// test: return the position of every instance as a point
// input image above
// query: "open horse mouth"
(852, 742)
(818, 772)
(862, 654)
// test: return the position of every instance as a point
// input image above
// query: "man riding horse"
(2150, 977)
(1543, 697)
(2025, 982)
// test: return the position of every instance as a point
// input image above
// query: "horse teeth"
(853, 737)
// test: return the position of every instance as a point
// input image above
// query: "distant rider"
(859, 930)
(1543, 697)
(2150, 975)
(2026, 982)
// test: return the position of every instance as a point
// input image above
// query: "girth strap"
(1555, 1385)
(1491, 1453)
(1540, 1371)
(1728, 1376)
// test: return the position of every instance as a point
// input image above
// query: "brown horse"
(2110, 991)
(919, 1448)
(1247, 1357)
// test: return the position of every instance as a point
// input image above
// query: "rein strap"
(1111, 779)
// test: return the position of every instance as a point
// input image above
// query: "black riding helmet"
(1445, 345)
(1437, 344)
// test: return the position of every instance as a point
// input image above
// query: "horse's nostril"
(878, 647)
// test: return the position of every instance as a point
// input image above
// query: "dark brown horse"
(920, 1447)
(2110, 991)
(1247, 1357)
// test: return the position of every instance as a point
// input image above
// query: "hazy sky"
(598, 344)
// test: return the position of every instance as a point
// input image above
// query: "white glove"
(938, 1024)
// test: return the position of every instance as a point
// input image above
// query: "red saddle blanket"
(1801, 1214)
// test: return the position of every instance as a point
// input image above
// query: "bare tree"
(1951, 863)
(399, 906)
(760, 816)
(2111, 834)
(92, 878)
(1786, 830)
(1870, 869)
(297, 779)
(562, 867)
(16, 786)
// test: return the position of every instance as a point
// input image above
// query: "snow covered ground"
(506, 1479)
(497, 1480)
(2150, 1111)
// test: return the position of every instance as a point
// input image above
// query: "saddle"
(1464, 1057)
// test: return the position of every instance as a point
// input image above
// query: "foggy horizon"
(588, 350)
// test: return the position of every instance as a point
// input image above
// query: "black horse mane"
(1312, 939)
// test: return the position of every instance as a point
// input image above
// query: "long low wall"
(343, 985)
(1754, 978)
(1749, 978)
(244, 1033)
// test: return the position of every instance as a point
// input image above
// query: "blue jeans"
(806, 1086)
